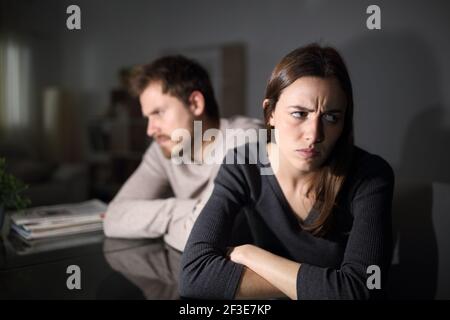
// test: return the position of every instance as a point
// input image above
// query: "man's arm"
(141, 209)
(180, 226)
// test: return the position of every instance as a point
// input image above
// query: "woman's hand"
(240, 254)
(278, 271)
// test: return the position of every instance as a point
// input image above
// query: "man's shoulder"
(154, 154)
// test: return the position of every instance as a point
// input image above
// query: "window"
(15, 61)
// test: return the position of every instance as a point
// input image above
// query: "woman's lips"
(307, 153)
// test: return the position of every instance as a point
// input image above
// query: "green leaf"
(11, 189)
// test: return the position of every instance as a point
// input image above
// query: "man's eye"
(331, 117)
(158, 112)
(299, 114)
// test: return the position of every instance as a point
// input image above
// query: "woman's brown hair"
(324, 62)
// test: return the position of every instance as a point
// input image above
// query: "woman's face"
(309, 117)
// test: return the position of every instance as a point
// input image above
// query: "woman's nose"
(314, 132)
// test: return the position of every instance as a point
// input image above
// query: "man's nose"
(314, 132)
(152, 127)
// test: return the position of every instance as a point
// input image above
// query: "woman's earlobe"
(271, 122)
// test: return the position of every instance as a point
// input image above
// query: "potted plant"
(11, 190)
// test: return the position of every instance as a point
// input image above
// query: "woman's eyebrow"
(302, 108)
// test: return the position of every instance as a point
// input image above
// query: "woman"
(321, 221)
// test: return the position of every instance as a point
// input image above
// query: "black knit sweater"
(332, 267)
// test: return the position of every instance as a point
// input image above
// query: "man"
(164, 197)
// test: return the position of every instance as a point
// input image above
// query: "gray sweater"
(332, 267)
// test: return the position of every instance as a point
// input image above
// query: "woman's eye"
(330, 117)
(299, 114)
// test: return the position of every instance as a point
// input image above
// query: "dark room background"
(70, 134)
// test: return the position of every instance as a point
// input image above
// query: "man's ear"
(265, 105)
(197, 103)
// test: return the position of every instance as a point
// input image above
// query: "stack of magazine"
(59, 220)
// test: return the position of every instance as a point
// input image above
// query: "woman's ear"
(265, 105)
(197, 103)
(271, 121)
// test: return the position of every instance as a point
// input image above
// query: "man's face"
(165, 114)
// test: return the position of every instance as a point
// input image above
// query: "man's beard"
(166, 148)
(167, 153)
(173, 147)
(177, 149)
